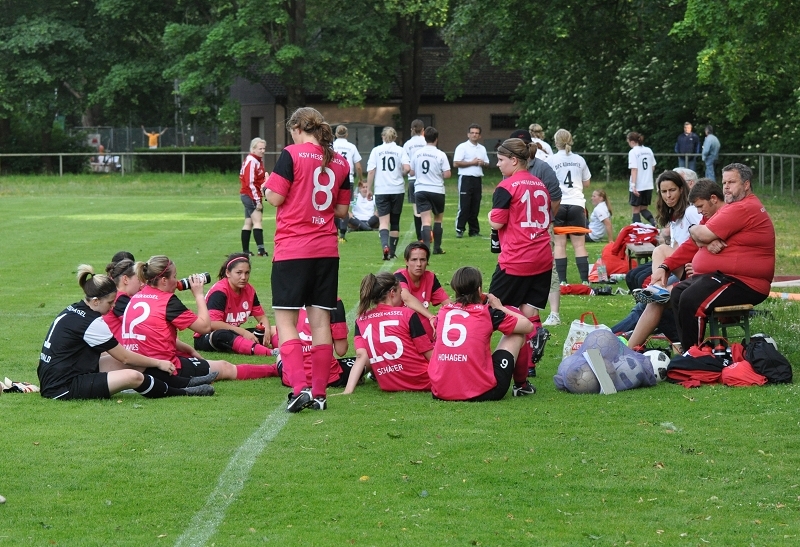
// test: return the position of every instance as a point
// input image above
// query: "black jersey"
(73, 346)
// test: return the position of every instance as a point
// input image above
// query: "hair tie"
(228, 266)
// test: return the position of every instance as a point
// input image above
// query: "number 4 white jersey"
(387, 160)
(641, 158)
(571, 170)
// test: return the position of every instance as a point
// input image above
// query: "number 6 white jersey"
(641, 158)
(571, 170)
(387, 160)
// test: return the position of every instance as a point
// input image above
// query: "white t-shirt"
(388, 160)
(429, 165)
(596, 219)
(545, 152)
(679, 229)
(571, 170)
(350, 153)
(641, 158)
(466, 151)
(411, 146)
(363, 208)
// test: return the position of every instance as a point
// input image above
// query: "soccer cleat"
(319, 403)
(195, 381)
(552, 320)
(439, 252)
(524, 389)
(386, 253)
(262, 252)
(603, 290)
(532, 372)
(296, 404)
(392, 257)
(248, 253)
(342, 240)
(205, 390)
(459, 235)
(538, 343)
(652, 294)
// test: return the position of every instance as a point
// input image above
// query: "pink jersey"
(304, 223)
(429, 291)
(252, 177)
(228, 306)
(114, 316)
(461, 365)
(395, 340)
(152, 321)
(522, 203)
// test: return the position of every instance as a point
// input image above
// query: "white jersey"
(596, 225)
(350, 153)
(571, 170)
(641, 158)
(679, 229)
(545, 152)
(466, 151)
(411, 146)
(429, 165)
(387, 160)
(363, 208)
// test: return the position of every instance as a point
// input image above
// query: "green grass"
(658, 466)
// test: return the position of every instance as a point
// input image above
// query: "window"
(504, 121)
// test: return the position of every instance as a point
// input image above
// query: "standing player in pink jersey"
(462, 366)
(252, 176)
(390, 337)
(310, 187)
(155, 315)
(521, 214)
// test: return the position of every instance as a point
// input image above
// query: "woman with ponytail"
(72, 363)
(390, 338)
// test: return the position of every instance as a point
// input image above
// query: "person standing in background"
(252, 177)
(641, 162)
(537, 135)
(710, 152)
(688, 145)
(470, 157)
(152, 138)
(410, 147)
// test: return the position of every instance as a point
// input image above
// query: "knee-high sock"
(393, 245)
(523, 361)
(251, 372)
(384, 235)
(167, 378)
(321, 359)
(245, 241)
(342, 222)
(293, 371)
(426, 236)
(636, 217)
(418, 227)
(156, 389)
(583, 267)
(649, 216)
(561, 269)
(243, 346)
(437, 236)
(258, 235)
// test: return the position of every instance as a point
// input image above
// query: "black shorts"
(249, 205)
(389, 204)
(192, 366)
(86, 386)
(305, 282)
(503, 363)
(570, 215)
(516, 290)
(429, 201)
(411, 192)
(642, 200)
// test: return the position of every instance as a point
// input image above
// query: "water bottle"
(495, 242)
(602, 274)
(183, 284)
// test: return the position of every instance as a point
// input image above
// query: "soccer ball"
(581, 379)
(659, 360)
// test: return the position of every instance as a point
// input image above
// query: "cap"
(521, 134)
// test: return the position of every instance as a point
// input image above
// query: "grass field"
(657, 466)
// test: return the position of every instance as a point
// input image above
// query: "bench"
(102, 167)
(642, 252)
(722, 318)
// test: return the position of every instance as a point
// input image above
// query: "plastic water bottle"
(495, 242)
(602, 274)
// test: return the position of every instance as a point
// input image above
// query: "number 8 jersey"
(521, 203)
(304, 223)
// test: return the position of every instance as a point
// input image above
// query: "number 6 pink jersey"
(304, 223)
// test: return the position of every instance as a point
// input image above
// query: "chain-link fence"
(127, 139)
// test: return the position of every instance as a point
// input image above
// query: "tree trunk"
(293, 77)
(410, 32)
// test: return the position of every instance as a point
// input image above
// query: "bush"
(169, 160)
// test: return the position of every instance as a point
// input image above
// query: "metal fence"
(127, 139)
(775, 171)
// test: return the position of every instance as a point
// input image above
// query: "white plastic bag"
(578, 331)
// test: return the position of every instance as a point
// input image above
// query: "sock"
(561, 269)
(426, 236)
(242, 346)
(418, 227)
(321, 359)
(342, 222)
(536, 321)
(167, 378)
(649, 216)
(259, 349)
(523, 361)
(437, 236)
(293, 371)
(384, 235)
(156, 389)
(252, 372)
(258, 235)
(245, 241)
(583, 267)
(393, 245)
(636, 217)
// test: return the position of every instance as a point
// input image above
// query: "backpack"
(768, 361)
